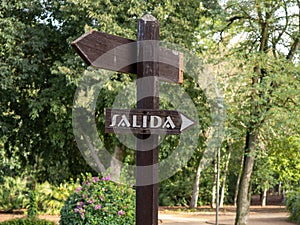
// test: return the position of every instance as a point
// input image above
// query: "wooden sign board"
(119, 55)
(146, 121)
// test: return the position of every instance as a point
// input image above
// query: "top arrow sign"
(121, 55)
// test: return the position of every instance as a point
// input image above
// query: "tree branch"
(296, 43)
(284, 29)
(293, 49)
(230, 21)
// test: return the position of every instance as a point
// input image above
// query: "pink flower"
(95, 179)
(106, 178)
(80, 204)
(82, 215)
(121, 213)
(96, 207)
(90, 201)
(78, 189)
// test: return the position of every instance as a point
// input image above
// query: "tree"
(36, 100)
(255, 58)
(40, 72)
(267, 79)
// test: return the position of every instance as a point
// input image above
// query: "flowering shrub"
(99, 202)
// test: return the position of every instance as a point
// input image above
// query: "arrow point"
(186, 122)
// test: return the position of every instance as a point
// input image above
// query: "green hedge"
(293, 205)
(27, 221)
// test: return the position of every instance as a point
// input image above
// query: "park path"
(270, 215)
(274, 215)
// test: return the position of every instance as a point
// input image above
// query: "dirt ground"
(275, 215)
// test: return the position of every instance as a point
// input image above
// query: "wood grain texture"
(147, 145)
(119, 53)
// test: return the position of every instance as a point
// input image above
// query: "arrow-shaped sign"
(140, 121)
(120, 54)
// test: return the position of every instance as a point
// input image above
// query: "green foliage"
(99, 202)
(293, 205)
(51, 198)
(33, 206)
(36, 100)
(12, 193)
(27, 221)
(175, 191)
(15, 194)
(284, 160)
(263, 175)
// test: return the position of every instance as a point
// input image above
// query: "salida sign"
(141, 121)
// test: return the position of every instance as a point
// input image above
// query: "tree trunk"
(238, 182)
(116, 163)
(98, 165)
(264, 197)
(195, 195)
(279, 188)
(224, 179)
(214, 188)
(244, 195)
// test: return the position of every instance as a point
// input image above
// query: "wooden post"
(147, 98)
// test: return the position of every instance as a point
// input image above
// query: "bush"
(17, 193)
(99, 202)
(33, 206)
(293, 205)
(12, 193)
(27, 221)
(51, 198)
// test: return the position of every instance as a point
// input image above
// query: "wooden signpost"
(151, 64)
